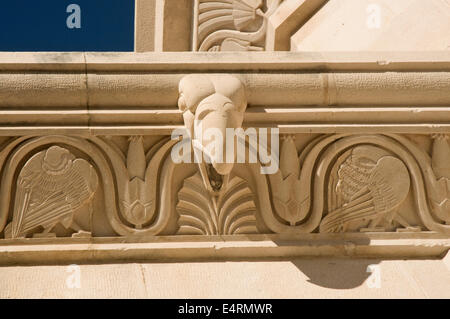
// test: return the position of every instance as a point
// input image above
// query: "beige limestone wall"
(299, 278)
(377, 25)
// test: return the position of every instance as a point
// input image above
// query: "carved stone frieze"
(105, 186)
(333, 183)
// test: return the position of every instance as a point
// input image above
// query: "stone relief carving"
(369, 187)
(440, 192)
(137, 184)
(139, 205)
(285, 185)
(331, 183)
(336, 183)
(211, 202)
(232, 212)
(232, 25)
(51, 186)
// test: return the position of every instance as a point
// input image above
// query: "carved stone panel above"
(231, 25)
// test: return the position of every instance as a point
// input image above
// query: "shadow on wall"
(337, 273)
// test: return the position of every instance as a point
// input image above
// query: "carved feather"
(219, 13)
(353, 176)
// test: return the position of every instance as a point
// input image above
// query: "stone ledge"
(225, 61)
(289, 120)
(221, 248)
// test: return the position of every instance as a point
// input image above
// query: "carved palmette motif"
(232, 212)
(232, 25)
(51, 186)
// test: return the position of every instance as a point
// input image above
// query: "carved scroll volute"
(440, 194)
(212, 104)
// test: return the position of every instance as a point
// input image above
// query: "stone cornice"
(101, 92)
(225, 61)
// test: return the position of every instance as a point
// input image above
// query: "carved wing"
(383, 190)
(353, 175)
(44, 198)
(28, 178)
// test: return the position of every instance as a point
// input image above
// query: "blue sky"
(40, 25)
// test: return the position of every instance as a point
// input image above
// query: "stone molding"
(224, 248)
(87, 87)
